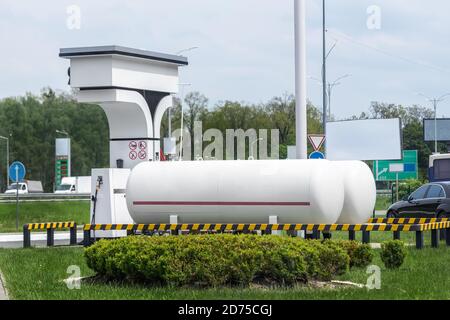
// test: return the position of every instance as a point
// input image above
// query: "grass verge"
(47, 211)
(38, 274)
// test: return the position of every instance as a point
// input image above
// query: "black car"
(429, 201)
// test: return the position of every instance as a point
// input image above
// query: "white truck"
(25, 187)
(74, 185)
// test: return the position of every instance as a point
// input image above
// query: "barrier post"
(397, 235)
(419, 239)
(26, 237)
(366, 236)
(50, 237)
(86, 238)
(73, 235)
(351, 235)
(447, 236)
(434, 238)
(316, 235)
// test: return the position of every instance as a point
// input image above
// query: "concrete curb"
(3, 291)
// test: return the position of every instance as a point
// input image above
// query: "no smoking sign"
(138, 149)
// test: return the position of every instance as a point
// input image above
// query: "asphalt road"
(38, 239)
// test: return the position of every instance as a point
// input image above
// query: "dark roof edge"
(124, 51)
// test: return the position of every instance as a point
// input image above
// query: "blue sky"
(246, 50)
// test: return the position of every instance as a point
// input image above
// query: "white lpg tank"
(296, 191)
(360, 192)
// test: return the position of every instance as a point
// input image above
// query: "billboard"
(443, 129)
(374, 139)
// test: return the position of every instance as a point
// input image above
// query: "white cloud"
(246, 46)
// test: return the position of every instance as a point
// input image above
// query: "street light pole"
(182, 118)
(7, 159)
(251, 157)
(435, 102)
(181, 104)
(324, 74)
(330, 90)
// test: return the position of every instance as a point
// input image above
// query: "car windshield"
(63, 187)
(13, 186)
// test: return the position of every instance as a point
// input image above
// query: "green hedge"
(216, 260)
(361, 255)
(393, 253)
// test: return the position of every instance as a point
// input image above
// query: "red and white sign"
(142, 145)
(133, 155)
(142, 154)
(133, 145)
(316, 141)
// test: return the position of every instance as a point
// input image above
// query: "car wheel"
(392, 215)
(442, 214)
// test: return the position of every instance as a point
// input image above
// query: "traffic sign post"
(17, 173)
(396, 168)
(316, 140)
(389, 170)
(317, 155)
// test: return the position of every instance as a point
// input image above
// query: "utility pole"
(324, 75)
(435, 102)
(300, 79)
(7, 159)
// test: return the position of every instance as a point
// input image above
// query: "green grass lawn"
(33, 212)
(383, 202)
(38, 274)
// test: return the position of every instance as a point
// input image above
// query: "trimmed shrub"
(361, 255)
(216, 260)
(393, 253)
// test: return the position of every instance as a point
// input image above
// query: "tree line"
(31, 123)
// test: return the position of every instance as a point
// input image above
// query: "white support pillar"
(300, 79)
(274, 220)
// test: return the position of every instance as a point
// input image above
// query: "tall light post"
(181, 102)
(324, 73)
(330, 88)
(300, 79)
(435, 102)
(182, 85)
(186, 50)
(7, 159)
(251, 156)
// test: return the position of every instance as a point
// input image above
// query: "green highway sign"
(406, 169)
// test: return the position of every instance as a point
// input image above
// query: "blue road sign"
(317, 155)
(17, 171)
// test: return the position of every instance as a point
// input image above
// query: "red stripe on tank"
(218, 203)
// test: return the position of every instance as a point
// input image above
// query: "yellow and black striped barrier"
(315, 229)
(50, 227)
(407, 220)
(251, 227)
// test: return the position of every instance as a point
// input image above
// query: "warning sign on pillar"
(133, 155)
(142, 145)
(138, 150)
(133, 145)
(142, 154)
